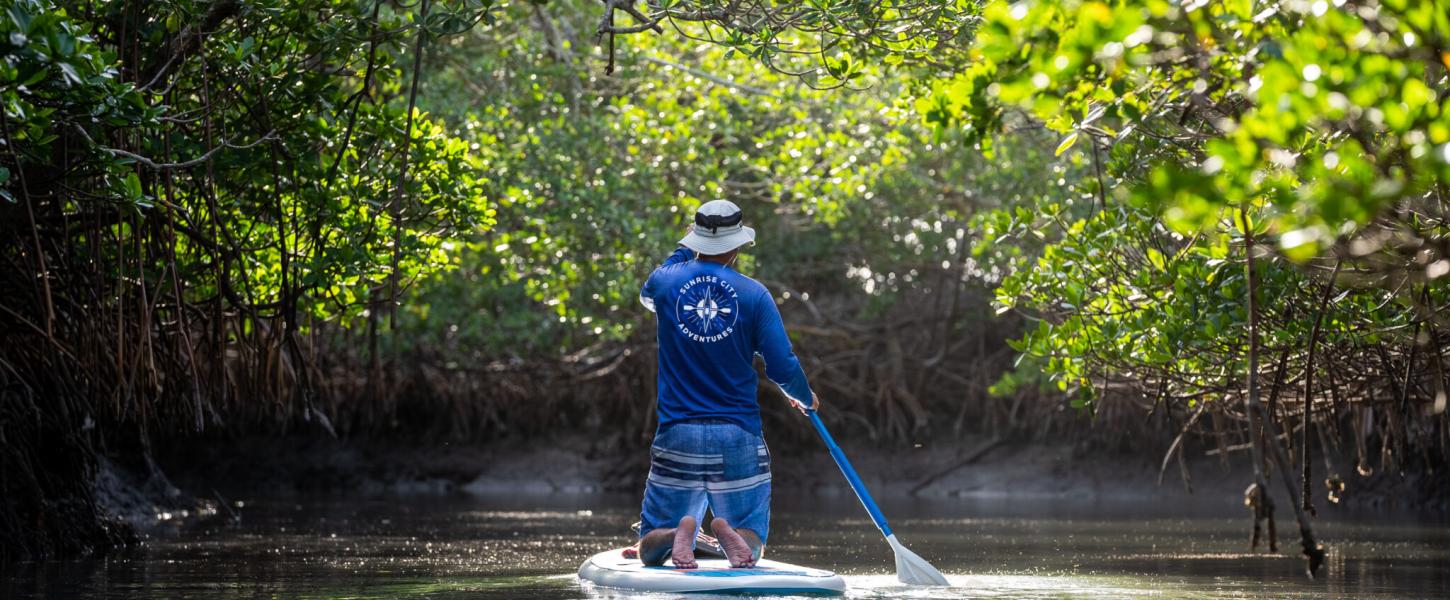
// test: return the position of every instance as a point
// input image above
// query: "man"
(708, 450)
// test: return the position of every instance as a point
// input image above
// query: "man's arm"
(681, 254)
(647, 293)
(781, 364)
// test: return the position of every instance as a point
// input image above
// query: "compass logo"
(707, 308)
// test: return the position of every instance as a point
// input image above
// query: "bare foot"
(736, 549)
(683, 552)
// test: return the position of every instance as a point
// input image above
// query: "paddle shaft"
(850, 473)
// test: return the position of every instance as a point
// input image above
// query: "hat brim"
(710, 245)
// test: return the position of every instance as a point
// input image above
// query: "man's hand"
(815, 404)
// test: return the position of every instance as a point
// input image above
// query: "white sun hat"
(718, 229)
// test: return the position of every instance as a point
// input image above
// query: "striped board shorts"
(712, 463)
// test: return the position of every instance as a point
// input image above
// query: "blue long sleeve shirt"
(712, 322)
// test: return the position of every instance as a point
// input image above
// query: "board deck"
(612, 568)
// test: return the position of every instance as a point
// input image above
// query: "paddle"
(910, 568)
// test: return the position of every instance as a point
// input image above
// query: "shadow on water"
(529, 547)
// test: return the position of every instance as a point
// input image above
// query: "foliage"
(214, 209)
(189, 189)
(1318, 121)
(1311, 139)
(595, 177)
(827, 43)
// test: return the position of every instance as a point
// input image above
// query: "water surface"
(530, 546)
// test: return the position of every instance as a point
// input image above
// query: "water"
(529, 547)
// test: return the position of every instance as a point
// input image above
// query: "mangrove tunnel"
(1215, 236)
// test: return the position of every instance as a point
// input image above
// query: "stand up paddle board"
(621, 568)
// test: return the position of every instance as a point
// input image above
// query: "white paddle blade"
(912, 569)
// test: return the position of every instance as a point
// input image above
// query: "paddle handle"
(856, 484)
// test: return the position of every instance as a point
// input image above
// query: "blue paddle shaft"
(850, 473)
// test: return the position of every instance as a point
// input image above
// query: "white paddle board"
(613, 569)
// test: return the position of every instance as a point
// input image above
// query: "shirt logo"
(707, 308)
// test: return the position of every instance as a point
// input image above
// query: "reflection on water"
(529, 547)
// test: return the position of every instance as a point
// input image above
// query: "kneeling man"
(708, 450)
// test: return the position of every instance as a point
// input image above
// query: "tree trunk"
(1256, 415)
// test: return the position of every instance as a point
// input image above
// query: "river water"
(530, 546)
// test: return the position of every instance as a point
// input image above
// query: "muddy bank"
(972, 468)
(145, 499)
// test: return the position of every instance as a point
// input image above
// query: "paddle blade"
(912, 569)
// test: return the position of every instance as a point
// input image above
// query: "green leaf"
(70, 72)
(1156, 258)
(133, 187)
(1066, 143)
(19, 17)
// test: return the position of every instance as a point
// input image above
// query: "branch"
(708, 77)
(401, 194)
(606, 24)
(180, 47)
(180, 165)
(646, 22)
(551, 34)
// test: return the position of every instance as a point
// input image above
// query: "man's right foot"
(683, 551)
(736, 549)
